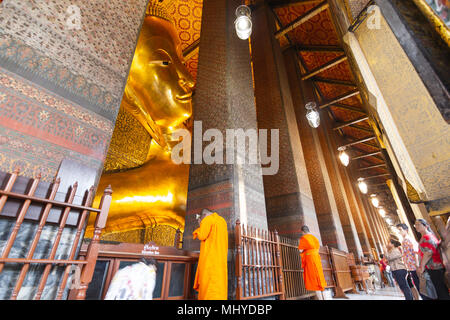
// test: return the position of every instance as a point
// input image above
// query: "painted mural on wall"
(63, 66)
(441, 8)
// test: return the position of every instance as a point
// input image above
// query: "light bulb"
(374, 200)
(343, 156)
(362, 185)
(312, 114)
(382, 212)
(243, 23)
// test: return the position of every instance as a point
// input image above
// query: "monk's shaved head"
(206, 211)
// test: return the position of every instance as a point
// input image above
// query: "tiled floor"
(387, 293)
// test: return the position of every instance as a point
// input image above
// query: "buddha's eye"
(163, 63)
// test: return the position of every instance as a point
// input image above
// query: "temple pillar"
(401, 61)
(400, 196)
(340, 193)
(355, 212)
(378, 222)
(324, 202)
(354, 209)
(288, 195)
(385, 229)
(411, 211)
(369, 209)
(361, 215)
(223, 100)
(363, 210)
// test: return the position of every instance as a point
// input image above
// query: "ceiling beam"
(350, 108)
(359, 141)
(348, 123)
(335, 81)
(372, 167)
(366, 155)
(340, 98)
(361, 128)
(302, 19)
(373, 156)
(319, 48)
(377, 176)
(190, 51)
(378, 185)
(324, 67)
(371, 145)
(288, 3)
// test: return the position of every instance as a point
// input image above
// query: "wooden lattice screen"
(269, 265)
(292, 270)
(258, 264)
(87, 266)
(342, 272)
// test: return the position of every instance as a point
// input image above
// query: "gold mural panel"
(422, 131)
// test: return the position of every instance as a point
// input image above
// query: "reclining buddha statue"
(158, 97)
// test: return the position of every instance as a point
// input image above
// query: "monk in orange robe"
(312, 266)
(211, 278)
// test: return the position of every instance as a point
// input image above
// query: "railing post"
(238, 271)
(20, 218)
(35, 242)
(94, 246)
(12, 179)
(280, 264)
(177, 241)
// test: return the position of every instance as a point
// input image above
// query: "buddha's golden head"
(159, 83)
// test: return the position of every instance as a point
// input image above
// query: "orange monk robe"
(311, 264)
(211, 278)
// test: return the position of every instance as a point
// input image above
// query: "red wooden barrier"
(86, 265)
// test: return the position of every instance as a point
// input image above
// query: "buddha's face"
(159, 79)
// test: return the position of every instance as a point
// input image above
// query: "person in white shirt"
(134, 282)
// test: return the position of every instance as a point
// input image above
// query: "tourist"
(134, 282)
(312, 266)
(386, 270)
(211, 278)
(410, 259)
(395, 259)
(430, 259)
(445, 251)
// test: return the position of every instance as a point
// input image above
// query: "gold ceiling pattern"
(315, 31)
